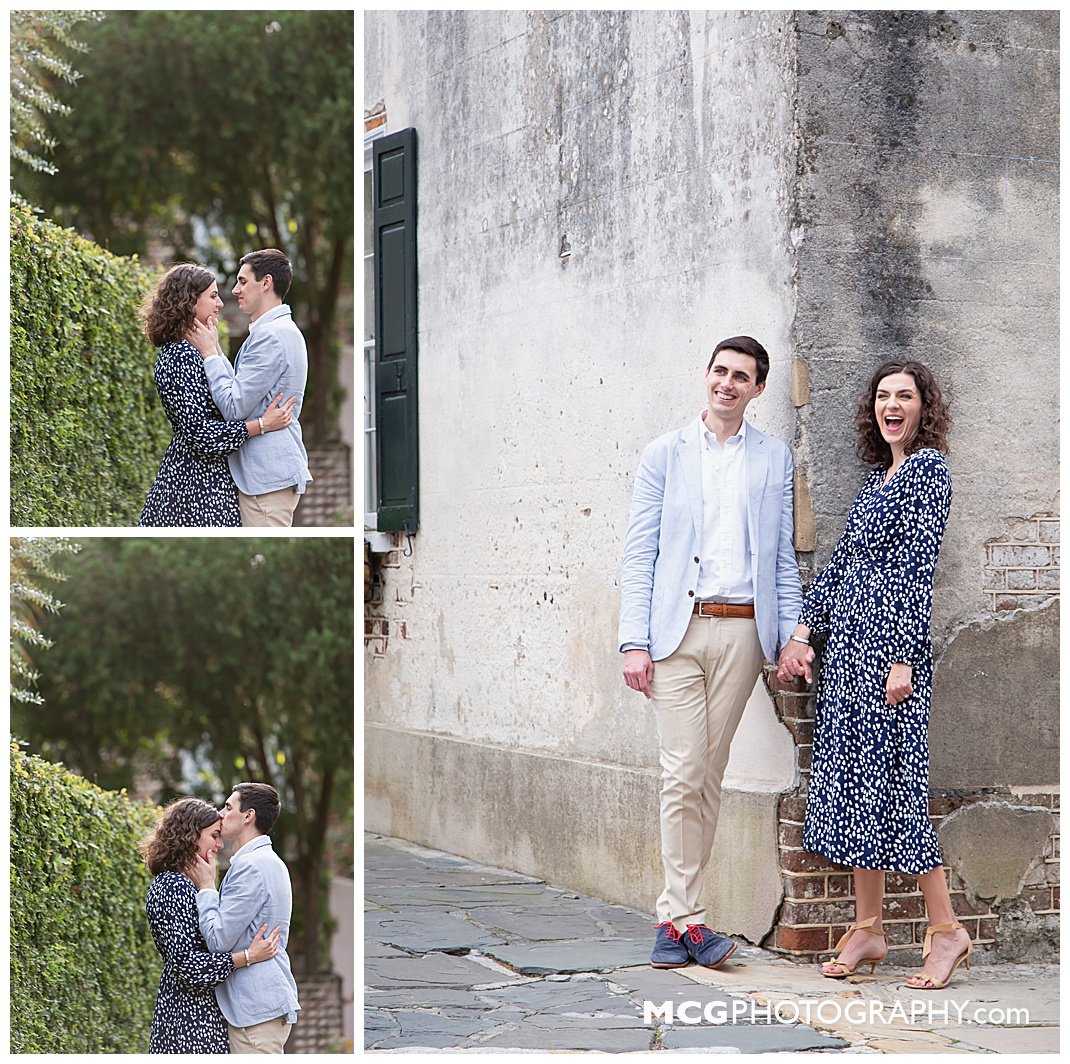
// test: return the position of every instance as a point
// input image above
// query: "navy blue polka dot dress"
(187, 1017)
(194, 486)
(867, 803)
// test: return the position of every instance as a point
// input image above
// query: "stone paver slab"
(667, 984)
(426, 932)
(576, 1035)
(378, 1026)
(435, 969)
(588, 955)
(429, 997)
(537, 926)
(1005, 1039)
(749, 1038)
(463, 897)
(624, 922)
(571, 996)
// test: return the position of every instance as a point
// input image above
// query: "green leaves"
(183, 659)
(83, 966)
(87, 431)
(213, 133)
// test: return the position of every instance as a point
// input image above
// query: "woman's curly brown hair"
(167, 313)
(935, 421)
(172, 842)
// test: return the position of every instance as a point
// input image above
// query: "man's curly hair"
(167, 313)
(935, 421)
(172, 842)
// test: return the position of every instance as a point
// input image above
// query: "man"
(271, 469)
(258, 1002)
(709, 589)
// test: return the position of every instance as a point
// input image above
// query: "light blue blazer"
(255, 891)
(662, 544)
(273, 359)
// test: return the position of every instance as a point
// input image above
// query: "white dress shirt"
(724, 573)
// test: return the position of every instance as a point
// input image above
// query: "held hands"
(899, 686)
(263, 949)
(638, 670)
(276, 416)
(795, 661)
(205, 337)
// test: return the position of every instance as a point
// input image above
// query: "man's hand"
(205, 337)
(638, 670)
(899, 686)
(794, 662)
(202, 873)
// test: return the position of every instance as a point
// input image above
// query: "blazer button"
(697, 562)
(691, 594)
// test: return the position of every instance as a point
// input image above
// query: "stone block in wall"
(993, 846)
(995, 704)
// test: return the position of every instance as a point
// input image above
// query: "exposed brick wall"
(378, 627)
(328, 500)
(818, 904)
(319, 1024)
(1022, 567)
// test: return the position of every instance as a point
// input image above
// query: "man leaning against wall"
(710, 589)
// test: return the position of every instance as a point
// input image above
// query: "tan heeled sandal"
(927, 949)
(864, 925)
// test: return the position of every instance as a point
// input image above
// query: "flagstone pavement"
(461, 957)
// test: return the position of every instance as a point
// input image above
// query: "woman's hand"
(205, 337)
(795, 658)
(279, 416)
(899, 686)
(263, 949)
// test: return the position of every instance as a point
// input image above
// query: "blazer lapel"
(757, 473)
(690, 458)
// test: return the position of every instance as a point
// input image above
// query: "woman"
(867, 802)
(194, 485)
(187, 1018)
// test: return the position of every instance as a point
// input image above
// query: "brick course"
(1022, 567)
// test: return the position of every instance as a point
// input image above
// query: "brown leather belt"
(722, 609)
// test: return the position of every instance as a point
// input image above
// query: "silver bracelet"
(805, 642)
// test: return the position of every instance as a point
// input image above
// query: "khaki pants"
(271, 508)
(267, 1037)
(699, 694)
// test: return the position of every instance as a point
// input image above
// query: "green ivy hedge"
(87, 428)
(84, 970)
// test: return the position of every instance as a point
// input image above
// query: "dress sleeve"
(927, 503)
(176, 926)
(180, 393)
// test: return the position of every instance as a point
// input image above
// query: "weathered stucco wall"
(927, 226)
(604, 195)
(596, 211)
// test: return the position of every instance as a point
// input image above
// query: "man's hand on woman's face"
(204, 337)
(202, 873)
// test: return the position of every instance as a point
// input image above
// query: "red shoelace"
(674, 935)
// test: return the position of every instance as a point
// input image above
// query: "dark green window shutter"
(394, 219)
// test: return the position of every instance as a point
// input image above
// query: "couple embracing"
(226, 985)
(237, 456)
(710, 589)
